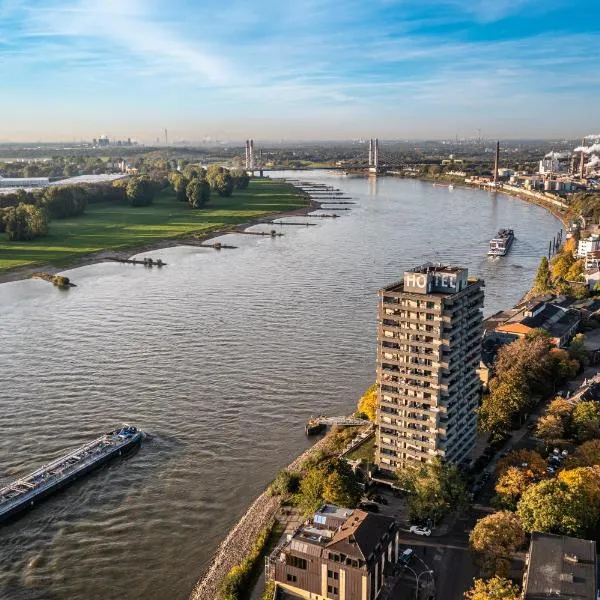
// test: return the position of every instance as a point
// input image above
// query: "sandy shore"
(190, 239)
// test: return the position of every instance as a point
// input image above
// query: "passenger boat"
(28, 491)
(501, 244)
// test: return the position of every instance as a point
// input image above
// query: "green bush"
(285, 483)
(238, 578)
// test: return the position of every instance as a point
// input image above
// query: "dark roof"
(561, 568)
(538, 320)
(366, 531)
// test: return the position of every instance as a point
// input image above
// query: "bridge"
(372, 163)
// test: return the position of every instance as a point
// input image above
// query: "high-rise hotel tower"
(429, 346)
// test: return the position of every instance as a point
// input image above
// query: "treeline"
(194, 184)
(525, 371)
(25, 215)
(563, 274)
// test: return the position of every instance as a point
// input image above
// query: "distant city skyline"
(78, 69)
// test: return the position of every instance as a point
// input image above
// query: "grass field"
(113, 227)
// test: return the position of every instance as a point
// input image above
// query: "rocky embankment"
(234, 548)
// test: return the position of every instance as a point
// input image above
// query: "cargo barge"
(28, 491)
(501, 244)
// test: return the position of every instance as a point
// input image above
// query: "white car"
(420, 530)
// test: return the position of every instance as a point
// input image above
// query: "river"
(221, 357)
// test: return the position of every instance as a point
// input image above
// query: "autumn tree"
(530, 461)
(510, 486)
(434, 489)
(310, 494)
(567, 505)
(367, 405)
(496, 537)
(586, 421)
(141, 191)
(543, 282)
(563, 367)
(550, 428)
(586, 455)
(496, 588)
(577, 349)
(341, 487)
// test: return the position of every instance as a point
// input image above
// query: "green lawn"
(109, 226)
(365, 452)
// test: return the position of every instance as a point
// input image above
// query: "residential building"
(591, 244)
(429, 349)
(561, 568)
(559, 321)
(592, 260)
(339, 554)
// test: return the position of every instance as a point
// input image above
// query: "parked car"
(369, 506)
(420, 530)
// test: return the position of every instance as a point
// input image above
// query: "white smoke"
(595, 160)
(592, 136)
(556, 155)
(588, 149)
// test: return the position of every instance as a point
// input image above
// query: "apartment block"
(429, 346)
(339, 554)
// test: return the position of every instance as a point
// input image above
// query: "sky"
(298, 69)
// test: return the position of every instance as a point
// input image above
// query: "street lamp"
(418, 577)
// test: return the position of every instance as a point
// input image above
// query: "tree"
(198, 193)
(511, 485)
(496, 588)
(507, 398)
(224, 184)
(550, 428)
(586, 421)
(25, 222)
(62, 201)
(368, 403)
(559, 407)
(434, 489)
(586, 455)
(529, 461)
(566, 505)
(285, 483)
(179, 183)
(543, 282)
(563, 367)
(140, 191)
(310, 495)
(496, 537)
(341, 487)
(240, 178)
(577, 349)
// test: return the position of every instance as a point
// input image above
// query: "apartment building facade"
(429, 347)
(339, 554)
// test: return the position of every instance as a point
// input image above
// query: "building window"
(291, 578)
(333, 575)
(295, 561)
(331, 589)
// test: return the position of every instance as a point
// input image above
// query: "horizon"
(330, 71)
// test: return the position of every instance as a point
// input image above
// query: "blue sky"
(272, 69)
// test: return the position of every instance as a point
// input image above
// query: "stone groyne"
(240, 539)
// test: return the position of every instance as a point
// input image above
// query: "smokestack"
(572, 167)
(496, 162)
(582, 163)
(376, 153)
(370, 151)
(247, 160)
(251, 155)
(166, 137)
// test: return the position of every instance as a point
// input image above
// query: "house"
(592, 277)
(561, 568)
(339, 554)
(561, 322)
(591, 244)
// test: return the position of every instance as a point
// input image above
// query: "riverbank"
(122, 231)
(241, 538)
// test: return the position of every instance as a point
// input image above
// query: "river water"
(221, 357)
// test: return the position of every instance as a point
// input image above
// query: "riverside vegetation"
(130, 215)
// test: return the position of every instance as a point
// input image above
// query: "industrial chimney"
(370, 151)
(496, 162)
(582, 163)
